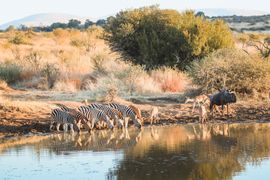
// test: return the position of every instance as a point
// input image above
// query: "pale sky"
(15, 9)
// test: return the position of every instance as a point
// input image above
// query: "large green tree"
(155, 37)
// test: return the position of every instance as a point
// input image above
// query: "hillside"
(44, 19)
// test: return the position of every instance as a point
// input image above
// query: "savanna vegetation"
(138, 51)
(155, 37)
(144, 56)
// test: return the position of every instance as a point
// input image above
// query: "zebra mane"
(62, 106)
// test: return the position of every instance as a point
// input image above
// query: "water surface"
(214, 151)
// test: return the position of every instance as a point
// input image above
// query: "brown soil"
(22, 117)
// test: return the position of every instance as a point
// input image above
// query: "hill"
(44, 19)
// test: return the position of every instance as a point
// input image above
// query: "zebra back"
(63, 107)
(93, 113)
(75, 113)
(61, 116)
(125, 110)
(106, 109)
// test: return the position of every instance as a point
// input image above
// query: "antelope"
(202, 113)
(154, 115)
(197, 100)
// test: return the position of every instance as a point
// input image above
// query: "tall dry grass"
(73, 60)
(170, 79)
(234, 69)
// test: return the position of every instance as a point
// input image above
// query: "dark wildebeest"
(224, 97)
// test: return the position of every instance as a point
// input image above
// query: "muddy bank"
(34, 117)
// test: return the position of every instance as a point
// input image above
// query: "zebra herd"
(112, 114)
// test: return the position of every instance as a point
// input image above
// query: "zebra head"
(110, 122)
(137, 121)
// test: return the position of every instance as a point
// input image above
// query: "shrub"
(34, 59)
(51, 73)
(155, 37)
(169, 79)
(18, 38)
(232, 69)
(77, 42)
(10, 73)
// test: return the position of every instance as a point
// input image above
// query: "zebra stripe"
(74, 112)
(95, 115)
(127, 112)
(109, 111)
(61, 117)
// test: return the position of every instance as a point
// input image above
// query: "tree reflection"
(198, 151)
(209, 152)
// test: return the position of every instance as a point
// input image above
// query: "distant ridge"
(230, 12)
(43, 19)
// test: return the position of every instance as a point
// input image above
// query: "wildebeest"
(224, 97)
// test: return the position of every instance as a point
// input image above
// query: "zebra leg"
(126, 122)
(57, 126)
(120, 123)
(65, 127)
(71, 128)
(88, 126)
(77, 127)
(51, 125)
(93, 124)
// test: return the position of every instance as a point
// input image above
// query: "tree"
(262, 46)
(200, 13)
(88, 23)
(74, 23)
(154, 37)
(101, 22)
(58, 25)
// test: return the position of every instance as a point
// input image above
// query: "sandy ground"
(23, 112)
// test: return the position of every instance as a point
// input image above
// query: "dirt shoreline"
(20, 121)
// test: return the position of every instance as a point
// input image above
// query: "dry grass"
(65, 59)
(233, 69)
(170, 80)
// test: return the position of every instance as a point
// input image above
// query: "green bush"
(232, 69)
(155, 37)
(10, 72)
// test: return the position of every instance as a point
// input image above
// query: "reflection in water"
(198, 151)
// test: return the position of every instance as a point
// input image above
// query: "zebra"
(137, 112)
(127, 112)
(59, 117)
(95, 115)
(75, 112)
(112, 113)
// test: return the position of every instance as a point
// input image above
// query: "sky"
(15, 9)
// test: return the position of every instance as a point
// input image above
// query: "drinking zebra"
(127, 112)
(59, 117)
(95, 115)
(74, 112)
(112, 113)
